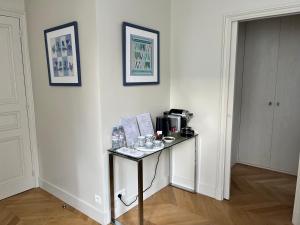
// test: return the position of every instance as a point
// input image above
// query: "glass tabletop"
(141, 155)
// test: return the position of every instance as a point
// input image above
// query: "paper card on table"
(145, 124)
(128, 151)
(131, 129)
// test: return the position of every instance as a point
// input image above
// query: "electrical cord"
(136, 197)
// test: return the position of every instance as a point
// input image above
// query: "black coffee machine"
(175, 121)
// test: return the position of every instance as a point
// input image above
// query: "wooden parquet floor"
(259, 197)
(37, 207)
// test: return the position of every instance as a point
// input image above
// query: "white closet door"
(259, 78)
(286, 134)
(15, 157)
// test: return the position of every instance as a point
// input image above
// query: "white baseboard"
(104, 217)
(183, 182)
(163, 182)
(203, 189)
(79, 204)
(267, 168)
(207, 190)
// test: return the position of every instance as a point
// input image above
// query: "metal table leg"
(140, 192)
(112, 188)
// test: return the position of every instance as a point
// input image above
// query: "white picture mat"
(141, 79)
(54, 34)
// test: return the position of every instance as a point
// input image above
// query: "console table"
(139, 160)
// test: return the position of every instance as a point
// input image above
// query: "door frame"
(229, 51)
(28, 89)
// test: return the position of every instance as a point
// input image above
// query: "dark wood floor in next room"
(259, 197)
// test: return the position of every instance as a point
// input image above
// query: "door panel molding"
(20, 160)
(9, 121)
(12, 99)
(29, 91)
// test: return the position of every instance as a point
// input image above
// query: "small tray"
(169, 139)
(154, 149)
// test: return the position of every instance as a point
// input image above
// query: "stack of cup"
(149, 141)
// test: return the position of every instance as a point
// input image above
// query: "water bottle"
(122, 138)
(115, 139)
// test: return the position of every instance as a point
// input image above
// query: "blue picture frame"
(62, 54)
(141, 55)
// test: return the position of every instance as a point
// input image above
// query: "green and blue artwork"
(141, 56)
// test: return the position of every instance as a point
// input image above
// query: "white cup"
(149, 144)
(157, 143)
(141, 141)
(149, 138)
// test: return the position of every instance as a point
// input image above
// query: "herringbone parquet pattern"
(37, 207)
(259, 197)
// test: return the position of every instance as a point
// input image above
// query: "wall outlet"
(122, 192)
(98, 199)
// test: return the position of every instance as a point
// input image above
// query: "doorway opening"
(237, 97)
(266, 122)
(266, 105)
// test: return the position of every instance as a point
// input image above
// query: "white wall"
(117, 100)
(238, 93)
(196, 66)
(296, 215)
(68, 118)
(183, 171)
(71, 155)
(13, 5)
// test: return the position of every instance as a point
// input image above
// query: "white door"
(286, 133)
(259, 78)
(16, 170)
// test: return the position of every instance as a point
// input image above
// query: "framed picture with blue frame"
(62, 53)
(140, 55)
